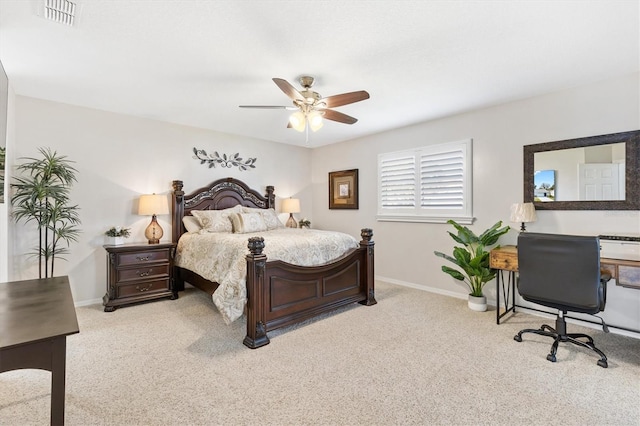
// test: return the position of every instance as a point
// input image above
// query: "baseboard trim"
(422, 287)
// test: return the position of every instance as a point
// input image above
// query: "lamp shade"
(315, 121)
(153, 204)
(291, 205)
(298, 121)
(523, 212)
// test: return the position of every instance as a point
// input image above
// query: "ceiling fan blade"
(330, 114)
(290, 108)
(288, 89)
(345, 98)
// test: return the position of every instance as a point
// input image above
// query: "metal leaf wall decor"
(231, 160)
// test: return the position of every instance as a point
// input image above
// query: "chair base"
(559, 334)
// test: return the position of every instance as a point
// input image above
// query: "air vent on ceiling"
(61, 11)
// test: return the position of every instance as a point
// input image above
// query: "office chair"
(562, 272)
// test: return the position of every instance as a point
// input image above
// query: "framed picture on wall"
(343, 189)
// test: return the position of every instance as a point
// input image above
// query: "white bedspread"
(220, 257)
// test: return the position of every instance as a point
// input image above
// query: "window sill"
(462, 220)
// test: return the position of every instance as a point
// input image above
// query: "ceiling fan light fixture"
(315, 120)
(297, 121)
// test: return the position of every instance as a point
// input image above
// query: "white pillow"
(191, 224)
(247, 222)
(215, 220)
(268, 215)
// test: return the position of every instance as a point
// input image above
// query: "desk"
(36, 316)
(505, 259)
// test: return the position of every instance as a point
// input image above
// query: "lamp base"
(291, 223)
(154, 231)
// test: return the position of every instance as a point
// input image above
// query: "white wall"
(404, 251)
(118, 158)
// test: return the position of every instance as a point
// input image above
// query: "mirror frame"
(632, 172)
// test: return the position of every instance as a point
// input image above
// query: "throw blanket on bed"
(221, 257)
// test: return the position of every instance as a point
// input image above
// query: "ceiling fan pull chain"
(306, 131)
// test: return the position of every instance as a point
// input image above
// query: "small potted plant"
(117, 234)
(473, 259)
(304, 223)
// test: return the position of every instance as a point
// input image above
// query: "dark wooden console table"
(36, 316)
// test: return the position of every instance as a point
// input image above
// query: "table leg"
(58, 372)
(498, 275)
(508, 292)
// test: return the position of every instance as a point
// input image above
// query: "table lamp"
(523, 213)
(291, 206)
(152, 205)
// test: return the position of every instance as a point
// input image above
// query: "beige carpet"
(414, 358)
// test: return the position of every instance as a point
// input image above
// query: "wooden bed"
(279, 294)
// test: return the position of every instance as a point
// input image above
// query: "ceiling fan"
(310, 108)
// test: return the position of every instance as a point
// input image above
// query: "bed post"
(367, 244)
(271, 198)
(256, 305)
(177, 211)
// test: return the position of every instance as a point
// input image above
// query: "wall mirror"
(592, 173)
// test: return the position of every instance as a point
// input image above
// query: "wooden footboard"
(281, 294)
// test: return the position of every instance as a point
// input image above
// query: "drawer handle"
(144, 288)
(142, 258)
(144, 274)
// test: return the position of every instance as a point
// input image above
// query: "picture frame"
(343, 189)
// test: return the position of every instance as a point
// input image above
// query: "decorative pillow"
(247, 222)
(215, 220)
(268, 215)
(191, 224)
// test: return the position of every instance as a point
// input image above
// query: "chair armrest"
(604, 279)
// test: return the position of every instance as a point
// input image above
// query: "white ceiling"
(193, 62)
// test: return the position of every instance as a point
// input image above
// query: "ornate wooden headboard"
(219, 195)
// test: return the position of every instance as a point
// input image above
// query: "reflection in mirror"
(593, 173)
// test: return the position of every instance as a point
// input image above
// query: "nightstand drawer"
(143, 273)
(146, 287)
(142, 257)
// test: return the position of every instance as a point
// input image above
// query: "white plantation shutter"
(442, 179)
(398, 182)
(427, 184)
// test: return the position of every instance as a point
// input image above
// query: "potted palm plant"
(473, 259)
(42, 196)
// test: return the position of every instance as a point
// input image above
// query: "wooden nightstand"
(138, 273)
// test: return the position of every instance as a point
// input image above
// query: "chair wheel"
(551, 357)
(517, 338)
(603, 363)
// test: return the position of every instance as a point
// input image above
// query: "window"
(426, 184)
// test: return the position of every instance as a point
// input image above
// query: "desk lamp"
(291, 206)
(523, 213)
(152, 205)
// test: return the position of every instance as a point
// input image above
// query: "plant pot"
(477, 303)
(114, 241)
